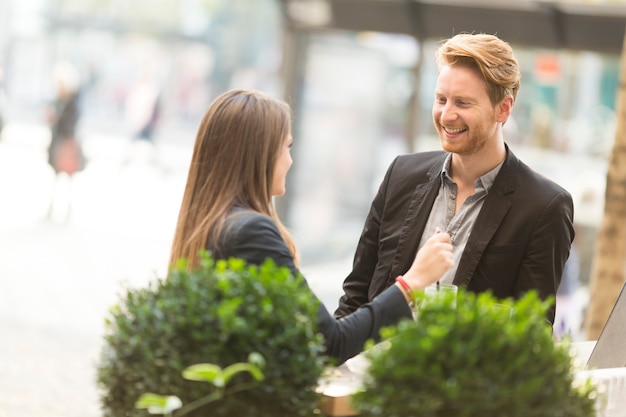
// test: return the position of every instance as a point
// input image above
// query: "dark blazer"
(520, 241)
(254, 238)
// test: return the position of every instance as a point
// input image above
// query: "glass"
(437, 290)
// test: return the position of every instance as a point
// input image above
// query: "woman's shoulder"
(240, 217)
(245, 225)
(254, 237)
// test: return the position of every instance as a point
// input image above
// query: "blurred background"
(147, 70)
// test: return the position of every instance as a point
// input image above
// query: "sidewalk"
(58, 279)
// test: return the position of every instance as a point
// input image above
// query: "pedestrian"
(143, 112)
(65, 155)
(143, 108)
(239, 164)
(511, 227)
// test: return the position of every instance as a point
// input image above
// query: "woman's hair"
(488, 54)
(237, 146)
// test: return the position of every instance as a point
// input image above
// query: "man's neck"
(466, 169)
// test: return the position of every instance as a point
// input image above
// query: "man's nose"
(448, 113)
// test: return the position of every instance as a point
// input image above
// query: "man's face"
(463, 114)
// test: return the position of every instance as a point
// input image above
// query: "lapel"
(496, 205)
(416, 217)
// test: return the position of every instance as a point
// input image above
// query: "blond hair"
(488, 54)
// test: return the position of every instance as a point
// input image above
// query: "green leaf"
(206, 372)
(236, 368)
(158, 404)
(257, 359)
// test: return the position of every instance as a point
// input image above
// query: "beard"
(470, 142)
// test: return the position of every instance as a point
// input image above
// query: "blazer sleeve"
(548, 249)
(255, 238)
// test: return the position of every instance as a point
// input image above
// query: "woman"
(64, 152)
(240, 161)
(62, 116)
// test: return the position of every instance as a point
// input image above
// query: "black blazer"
(254, 238)
(520, 241)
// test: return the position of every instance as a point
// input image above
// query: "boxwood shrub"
(218, 313)
(474, 357)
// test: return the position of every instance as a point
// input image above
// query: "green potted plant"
(218, 313)
(473, 356)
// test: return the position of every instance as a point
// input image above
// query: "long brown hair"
(236, 149)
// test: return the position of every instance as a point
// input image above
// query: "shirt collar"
(486, 180)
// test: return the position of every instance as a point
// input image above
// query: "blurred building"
(193, 49)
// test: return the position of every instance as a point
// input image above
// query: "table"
(337, 385)
(610, 382)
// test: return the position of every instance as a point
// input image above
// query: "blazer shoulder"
(253, 237)
(517, 176)
(420, 163)
(539, 181)
(421, 157)
(244, 222)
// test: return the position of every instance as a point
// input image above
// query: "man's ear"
(504, 109)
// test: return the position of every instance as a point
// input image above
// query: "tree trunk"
(609, 260)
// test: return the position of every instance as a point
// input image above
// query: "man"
(511, 228)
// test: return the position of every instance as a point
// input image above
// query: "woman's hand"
(430, 262)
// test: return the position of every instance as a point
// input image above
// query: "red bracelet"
(405, 286)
